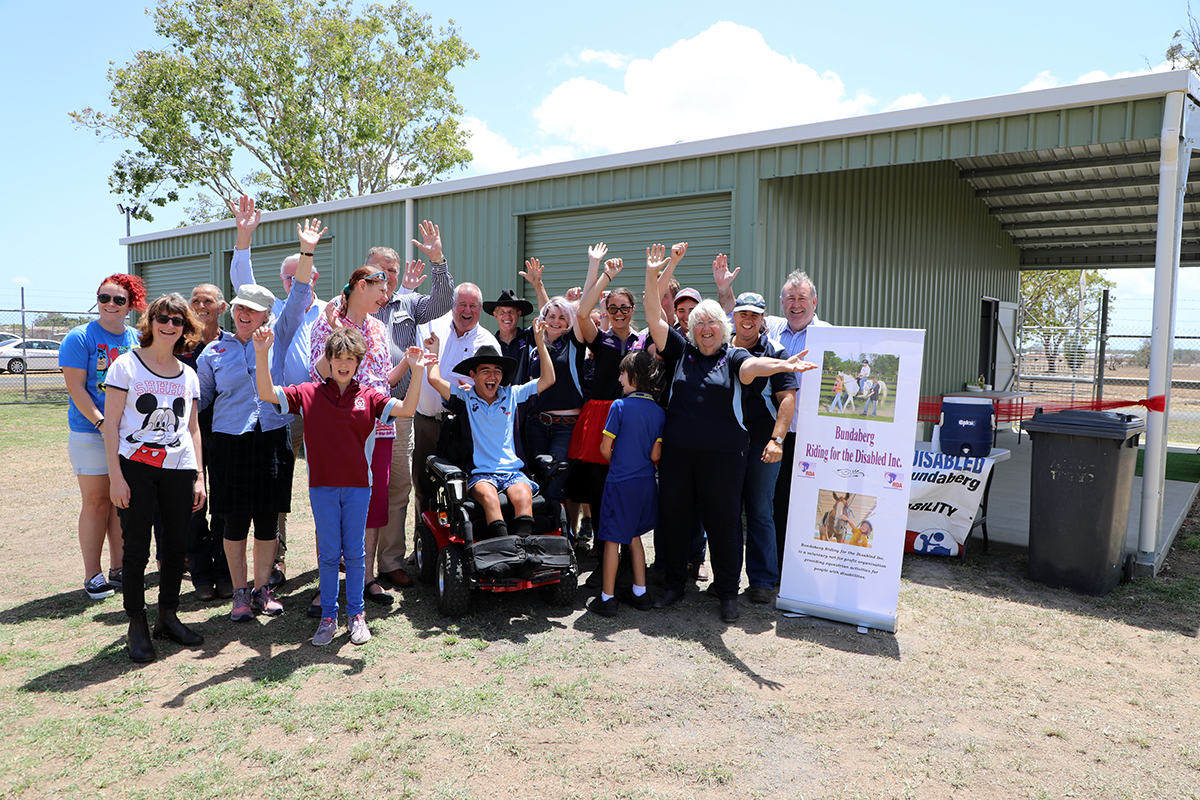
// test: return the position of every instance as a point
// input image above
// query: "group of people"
(359, 382)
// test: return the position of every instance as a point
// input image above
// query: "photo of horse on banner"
(844, 392)
(845, 518)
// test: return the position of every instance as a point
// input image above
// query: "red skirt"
(585, 441)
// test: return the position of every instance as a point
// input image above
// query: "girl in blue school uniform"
(632, 443)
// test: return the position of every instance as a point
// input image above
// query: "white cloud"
(1045, 80)
(21, 280)
(605, 57)
(915, 100)
(725, 80)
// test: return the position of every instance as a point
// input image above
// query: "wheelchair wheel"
(563, 593)
(427, 553)
(453, 591)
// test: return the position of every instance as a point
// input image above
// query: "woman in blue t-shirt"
(704, 428)
(86, 354)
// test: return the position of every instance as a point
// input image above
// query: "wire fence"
(1078, 365)
(29, 342)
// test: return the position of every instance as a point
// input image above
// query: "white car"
(16, 357)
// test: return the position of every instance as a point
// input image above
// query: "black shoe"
(668, 598)
(761, 595)
(380, 598)
(314, 607)
(168, 626)
(605, 608)
(206, 593)
(225, 589)
(729, 610)
(643, 603)
(277, 578)
(595, 579)
(141, 649)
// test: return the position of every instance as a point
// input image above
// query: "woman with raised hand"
(153, 450)
(704, 443)
(251, 454)
(87, 353)
(364, 294)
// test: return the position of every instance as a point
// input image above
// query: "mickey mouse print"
(154, 422)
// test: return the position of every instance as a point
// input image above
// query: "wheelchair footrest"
(516, 557)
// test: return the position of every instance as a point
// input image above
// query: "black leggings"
(266, 526)
(169, 492)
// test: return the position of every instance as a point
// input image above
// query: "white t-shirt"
(154, 422)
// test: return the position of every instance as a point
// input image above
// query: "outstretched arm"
(264, 337)
(431, 242)
(310, 236)
(546, 379)
(650, 297)
(583, 315)
(433, 345)
(416, 359)
(724, 280)
(533, 273)
(760, 366)
(246, 218)
(596, 254)
(678, 250)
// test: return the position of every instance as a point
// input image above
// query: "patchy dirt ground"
(992, 687)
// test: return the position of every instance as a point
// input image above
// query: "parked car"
(22, 354)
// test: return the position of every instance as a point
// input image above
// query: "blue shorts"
(86, 451)
(628, 509)
(502, 480)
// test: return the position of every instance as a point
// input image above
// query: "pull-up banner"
(850, 479)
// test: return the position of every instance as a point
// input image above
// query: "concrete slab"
(1008, 504)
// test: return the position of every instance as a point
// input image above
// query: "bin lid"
(1078, 422)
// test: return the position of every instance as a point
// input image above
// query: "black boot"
(141, 649)
(168, 626)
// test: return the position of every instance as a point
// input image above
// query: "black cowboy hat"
(488, 355)
(508, 298)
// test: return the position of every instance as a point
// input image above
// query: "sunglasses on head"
(620, 309)
(104, 299)
(163, 319)
(377, 276)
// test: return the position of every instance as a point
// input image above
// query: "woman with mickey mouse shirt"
(153, 449)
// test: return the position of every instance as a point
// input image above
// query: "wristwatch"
(777, 440)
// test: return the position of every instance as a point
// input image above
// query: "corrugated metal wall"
(898, 247)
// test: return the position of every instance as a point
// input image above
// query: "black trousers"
(783, 496)
(169, 493)
(701, 487)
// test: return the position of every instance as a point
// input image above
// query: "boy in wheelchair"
(491, 407)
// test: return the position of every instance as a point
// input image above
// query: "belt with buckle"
(547, 418)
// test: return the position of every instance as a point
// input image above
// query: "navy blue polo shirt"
(607, 351)
(705, 411)
(759, 403)
(518, 350)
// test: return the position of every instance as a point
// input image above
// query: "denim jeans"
(340, 516)
(540, 439)
(758, 506)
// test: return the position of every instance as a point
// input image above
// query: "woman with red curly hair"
(86, 354)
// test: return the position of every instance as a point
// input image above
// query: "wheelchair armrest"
(547, 470)
(443, 471)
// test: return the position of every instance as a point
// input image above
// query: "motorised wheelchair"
(453, 547)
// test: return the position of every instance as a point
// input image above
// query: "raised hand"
(533, 271)
(574, 293)
(597, 252)
(245, 215)
(721, 274)
(678, 250)
(417, 358)
(263, 337)
(310, 234)
(432, 343)
(539, 329)
(656, 257)
(431, 241)
(414, 274)
(333, 312)
(612, 268)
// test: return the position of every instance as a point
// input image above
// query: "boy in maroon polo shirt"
(339, 437)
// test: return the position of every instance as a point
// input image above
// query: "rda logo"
(892, 480)
(806, 470)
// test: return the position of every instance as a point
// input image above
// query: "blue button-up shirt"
(227, 373)
(793, 343)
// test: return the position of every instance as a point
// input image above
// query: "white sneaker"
(325, 632)
(359, 633)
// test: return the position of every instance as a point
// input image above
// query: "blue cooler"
(966, 427)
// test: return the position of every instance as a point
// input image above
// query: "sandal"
(380, 598)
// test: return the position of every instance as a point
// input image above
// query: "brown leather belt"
(547, 418)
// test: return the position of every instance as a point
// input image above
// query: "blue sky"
(556, 82)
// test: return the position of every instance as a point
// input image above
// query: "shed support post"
(1175, 155)
(410, 232)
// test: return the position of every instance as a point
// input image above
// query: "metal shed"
(913, 218)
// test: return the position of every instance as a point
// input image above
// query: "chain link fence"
(1077, 365)
(29, 342)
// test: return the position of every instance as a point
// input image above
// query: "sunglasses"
(620, 309)
(104, 299)
(163, 319)
(378, 276)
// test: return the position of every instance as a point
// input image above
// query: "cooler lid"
(1079, 422)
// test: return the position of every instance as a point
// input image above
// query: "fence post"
(1102, 338)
